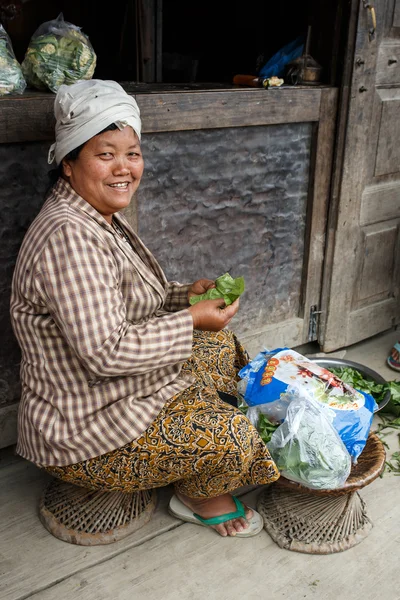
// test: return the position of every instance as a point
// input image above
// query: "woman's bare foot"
(208, 508)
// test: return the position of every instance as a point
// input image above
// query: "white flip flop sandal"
(180, 511)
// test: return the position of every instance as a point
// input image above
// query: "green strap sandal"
(181, 511)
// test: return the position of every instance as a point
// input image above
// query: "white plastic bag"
(307, 448)
(11, 78)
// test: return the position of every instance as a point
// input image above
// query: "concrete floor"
(168, 559)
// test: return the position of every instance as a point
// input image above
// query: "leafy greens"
(377, 390)
(225, 287)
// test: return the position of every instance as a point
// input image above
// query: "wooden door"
(361, 279)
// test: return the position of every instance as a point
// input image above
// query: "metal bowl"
(331, 363)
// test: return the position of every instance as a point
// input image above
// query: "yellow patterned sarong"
(198, 442)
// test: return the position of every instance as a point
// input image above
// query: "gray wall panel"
(231, 200)
(23, 173)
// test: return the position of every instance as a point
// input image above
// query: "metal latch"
(313, 324)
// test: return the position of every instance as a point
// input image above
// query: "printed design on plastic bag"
(267, 386)
(289, 367)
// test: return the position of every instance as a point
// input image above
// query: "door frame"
(341, 324)
(344, 97)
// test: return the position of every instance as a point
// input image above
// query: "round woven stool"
(322, 521)
(91, 518)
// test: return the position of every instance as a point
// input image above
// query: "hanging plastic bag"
(11, 78)
(307, 449)
(58, 53)
(265, 386)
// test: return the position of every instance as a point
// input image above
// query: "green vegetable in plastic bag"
(11, 78)
(307, 449)
(58, 53)
(225, 287)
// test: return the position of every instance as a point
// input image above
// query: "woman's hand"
(200, 287)
(213, 315)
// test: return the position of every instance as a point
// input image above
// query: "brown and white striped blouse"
(103, 334)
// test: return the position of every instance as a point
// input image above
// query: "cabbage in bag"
(58, 53)
(11, 78)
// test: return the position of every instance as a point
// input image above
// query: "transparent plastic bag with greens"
(11, 78)
(225, 287)
(307, 448)
(265, 384)
(58, 53)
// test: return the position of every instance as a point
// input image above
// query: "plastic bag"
(58, 53)
(11, 78)
(265, 385)
(277, 63)
(307, 449)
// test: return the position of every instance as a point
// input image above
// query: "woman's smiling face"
(107, 171)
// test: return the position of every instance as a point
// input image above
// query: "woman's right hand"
(213, 315)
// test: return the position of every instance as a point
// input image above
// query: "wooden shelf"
(29, 117)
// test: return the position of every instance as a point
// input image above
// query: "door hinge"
(313, 324)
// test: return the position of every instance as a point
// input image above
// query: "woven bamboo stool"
(322, 521)
(91, 518)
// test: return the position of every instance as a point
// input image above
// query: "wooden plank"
(343, 258)
(45, 558)
(388, 65)
(27, 119)
(317, 212)
(30, 118)
(288, 333)
(388, 151)
(8, 425)
(370, 320)
(337, 168)
(158, 39)
(380, 203)
(207, 110)
(396, 14)
(379, 245)
(146, 31)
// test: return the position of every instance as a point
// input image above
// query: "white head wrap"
(85, 108)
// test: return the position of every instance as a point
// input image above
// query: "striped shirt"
(103, 334)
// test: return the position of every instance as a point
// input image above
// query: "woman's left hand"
(200, 287)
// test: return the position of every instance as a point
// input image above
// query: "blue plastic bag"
(265, 383)
(277, 63)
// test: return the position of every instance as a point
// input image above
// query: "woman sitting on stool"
(120, 375)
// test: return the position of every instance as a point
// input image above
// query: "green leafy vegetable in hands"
(225, 287)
